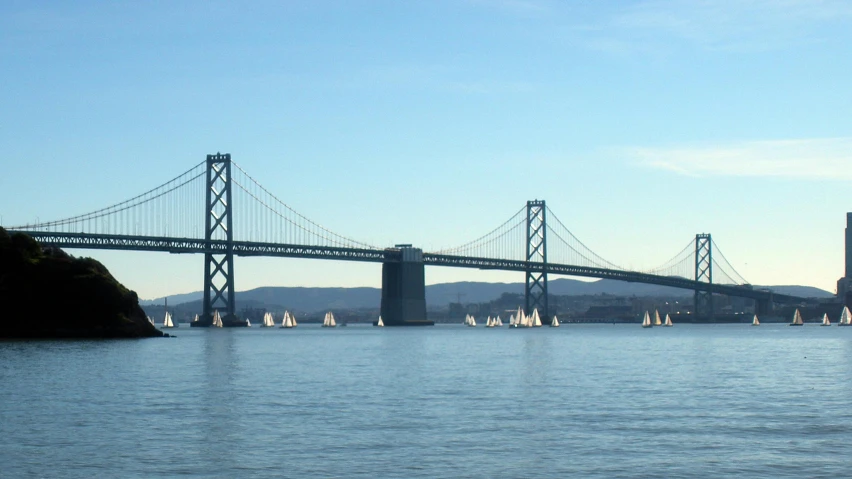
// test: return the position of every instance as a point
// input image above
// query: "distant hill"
(315, 299)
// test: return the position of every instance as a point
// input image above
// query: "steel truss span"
(190, 245)
(602, 273)
(247, 248)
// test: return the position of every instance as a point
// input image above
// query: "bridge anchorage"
(242, 218)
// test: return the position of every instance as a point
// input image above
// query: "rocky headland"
(47, 293)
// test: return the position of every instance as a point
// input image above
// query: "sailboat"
(217, 320)
(380, 323)
(328, 321)
(287, 322)
(554, 323)
(797, 319)
(268, 321)
(825, 321)
(498, 322)
(167, 321)
(512, 321)
(646, 321)
(195, 319)
(668, 321)
(248, 323)
(536, 320)
(845, 317)
(657, 321)
(293, 319)
(755, 321)
(471, 321)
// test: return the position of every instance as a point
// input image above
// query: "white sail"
(167, 321)
(657, 321)
(325, 320)
(845, 316)
(554, 323)
(217, 320)
(195, 319)
(293, 320)
(797, 318)
(287, 322)
(536, 320)
(380, 323)
(331, 322)
(498, 321)
(668, 321)
(511, 320)
(825, 321)
(248, 323)
(646, 321)
(755, 321)
(472, 322)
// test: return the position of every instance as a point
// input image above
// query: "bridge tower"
(536, 282)
(218, 268)
(703, 273)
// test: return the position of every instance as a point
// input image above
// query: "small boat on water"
(287, 322)
(489, 322)
(797, 319)
(167, 321)
(646, 321)
(328, 321)
(554, 323)
(536, 320)
(470, 321)
(668, 321)
(845, 317)
(268, 321)
(498, 322)
(755, 321)
(380, 323)
(825, 321)
(217, 320)
(657, 321)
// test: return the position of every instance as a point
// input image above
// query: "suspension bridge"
(242, 218)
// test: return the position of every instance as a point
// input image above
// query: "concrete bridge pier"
(762, 306)
(404, 290)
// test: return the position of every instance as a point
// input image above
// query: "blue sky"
(431, 122)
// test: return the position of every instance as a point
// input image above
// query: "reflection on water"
(448, 401)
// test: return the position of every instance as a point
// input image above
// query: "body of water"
(603, 401)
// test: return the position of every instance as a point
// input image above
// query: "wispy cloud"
(721, 25)
(825, 158)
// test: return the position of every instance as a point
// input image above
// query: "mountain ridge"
(316, 298)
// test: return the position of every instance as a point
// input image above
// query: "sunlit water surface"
(602, 401)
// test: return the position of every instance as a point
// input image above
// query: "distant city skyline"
(640, 123)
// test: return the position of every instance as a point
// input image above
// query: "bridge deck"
(247, 248)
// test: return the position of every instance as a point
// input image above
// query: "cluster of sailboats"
(518, 320)
(845, 319)
(647, 323)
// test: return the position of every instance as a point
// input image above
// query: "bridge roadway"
(248, 248)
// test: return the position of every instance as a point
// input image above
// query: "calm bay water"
(582, 400)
